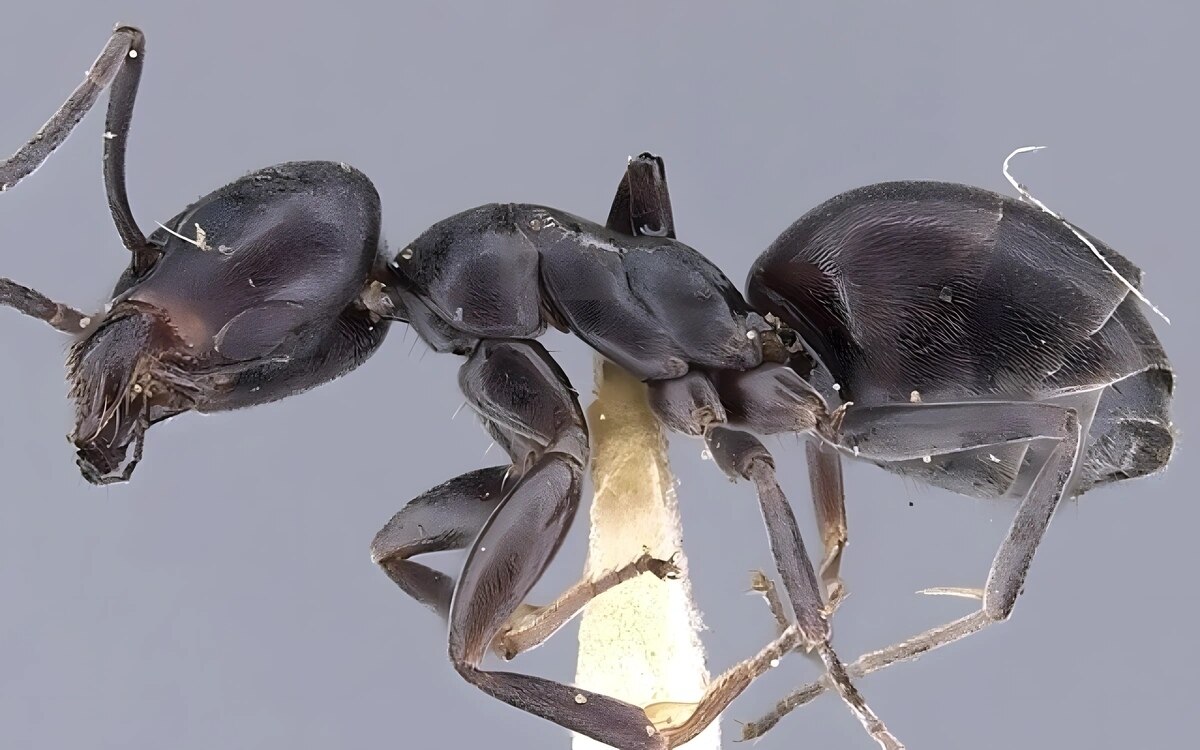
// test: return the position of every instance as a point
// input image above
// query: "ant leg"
(762, 584)
(741, 455)
(772, 399)
(829, 498)
(119, 68)
(37, 305)
(728, 686)
(449, 517)
(528, 405)
(769, 399)
(910, 431)
(506, 560)
(692, 405)
(532, 626)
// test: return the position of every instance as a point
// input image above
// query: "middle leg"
(742, 456)
(769, 399)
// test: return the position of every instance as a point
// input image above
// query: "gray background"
(225, 598)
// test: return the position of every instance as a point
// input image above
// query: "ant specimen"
(275, 284)
(924, 308)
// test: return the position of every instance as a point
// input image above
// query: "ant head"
(122, 381)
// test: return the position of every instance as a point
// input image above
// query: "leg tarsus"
(837, 673)
(725, 688)
(761, 584)
(1008, 570)
(730, 684)
(529, 627)
(870, 662)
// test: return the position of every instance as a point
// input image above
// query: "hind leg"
(829, 499)
(905, 432)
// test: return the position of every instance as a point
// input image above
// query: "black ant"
(974, 342)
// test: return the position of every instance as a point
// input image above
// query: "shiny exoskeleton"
(1017, 362)
(958, 294)
(973, 342)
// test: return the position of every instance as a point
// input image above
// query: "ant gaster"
(972, 340)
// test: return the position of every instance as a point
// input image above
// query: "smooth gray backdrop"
(225, 598)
